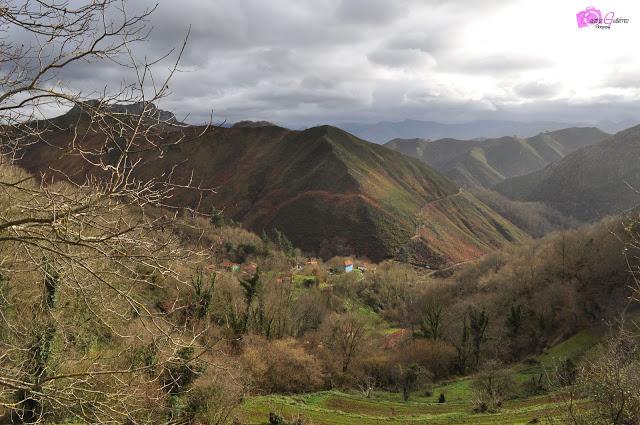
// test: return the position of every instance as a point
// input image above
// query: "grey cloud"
(301, 62)
(496, 64)
(371, 11)
(536, 89)
(420, 40)
(623, 80)
(401, 58)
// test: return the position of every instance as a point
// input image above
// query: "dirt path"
(432, 272)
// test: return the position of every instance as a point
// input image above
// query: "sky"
(308, 62)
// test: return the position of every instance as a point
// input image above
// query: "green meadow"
(353, 408)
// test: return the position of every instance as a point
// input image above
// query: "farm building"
(231, 266)
(348, 266)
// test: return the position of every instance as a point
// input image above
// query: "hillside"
(485, 163)
(328, 191)
(588, 184)
(456, 229)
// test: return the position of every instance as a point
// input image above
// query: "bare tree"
(431, 323)
(608, 378)
(366, 384)
(345, 335)
(78, 337)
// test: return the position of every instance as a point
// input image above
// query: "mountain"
(588, 184)
(328, 191)
(484, 163)
(134, 109)
(614, 127)
(247, 123)
(409, 129)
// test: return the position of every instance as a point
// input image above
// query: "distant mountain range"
(411, 129)
(588, 184)
(327, 190)
(484, 163)
(614, 127)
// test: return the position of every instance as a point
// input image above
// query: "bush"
(610, 379)
(281, 366)
(537, 385)
(566, 372)
(491, 388)
(435, 356)
(275, 419)
(214, 401)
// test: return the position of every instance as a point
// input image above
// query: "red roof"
(392, 341)
(348, 263)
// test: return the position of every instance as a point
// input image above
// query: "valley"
(346, 212)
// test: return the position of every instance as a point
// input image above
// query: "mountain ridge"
(588, 184)
(384, 131)
(485, 163)
(327, 190)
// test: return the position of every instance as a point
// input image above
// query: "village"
(306, 272)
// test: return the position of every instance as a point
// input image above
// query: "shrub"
(610, 379)
(566, 372)
(281, 366)
(536, 385)
(214, 401)
(435, 356)
(491, 388)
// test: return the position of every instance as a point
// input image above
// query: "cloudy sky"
(305, 62)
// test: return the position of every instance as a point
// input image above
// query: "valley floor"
(337, 408)
(341, 408)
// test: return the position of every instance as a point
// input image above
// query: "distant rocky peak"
(134, 109)
(252, 124)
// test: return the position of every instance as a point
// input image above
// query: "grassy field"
(341, 408)
(329, 408)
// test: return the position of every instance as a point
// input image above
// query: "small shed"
(348, 266)
(231, 266)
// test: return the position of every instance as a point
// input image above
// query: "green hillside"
(485, 163)
(458, 228)
(588, 184)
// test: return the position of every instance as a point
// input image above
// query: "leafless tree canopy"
(78, 338)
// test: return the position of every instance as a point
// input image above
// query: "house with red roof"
(348, 266)
(231, 266)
